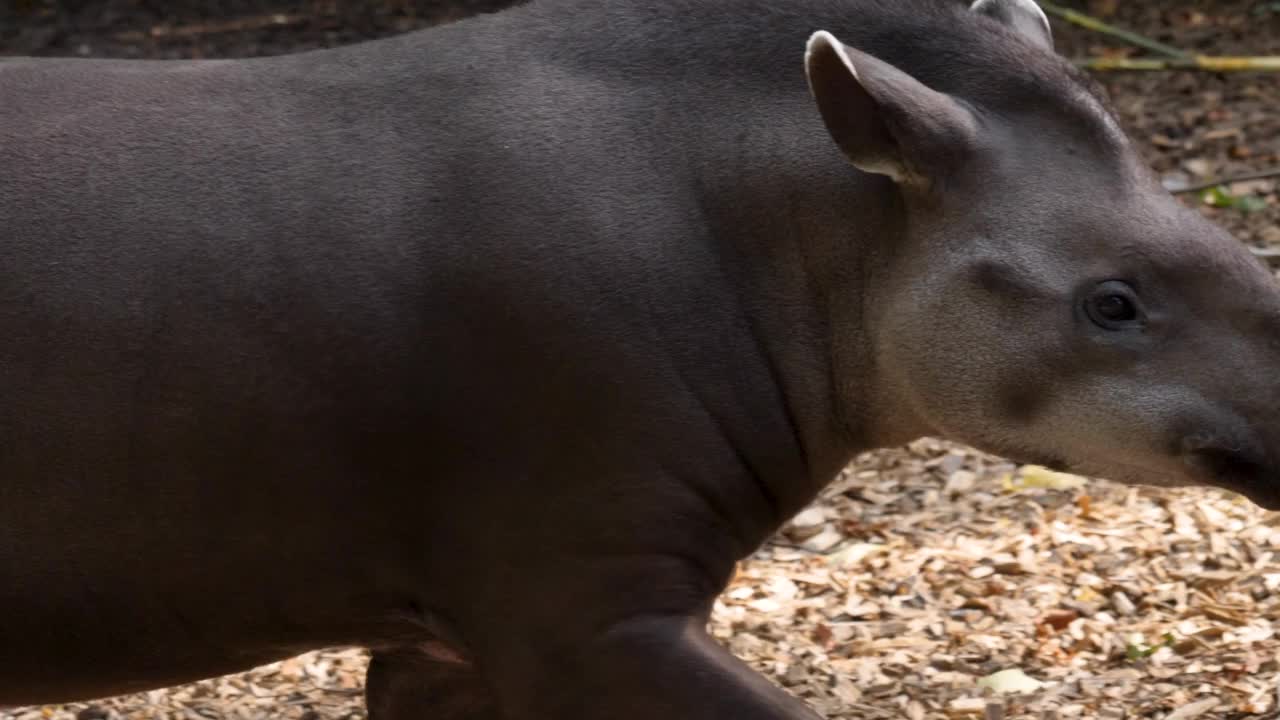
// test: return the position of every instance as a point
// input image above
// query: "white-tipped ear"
(885, 121)
(824, 41)
(1022, 16)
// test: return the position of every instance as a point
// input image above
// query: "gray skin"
(494, 347)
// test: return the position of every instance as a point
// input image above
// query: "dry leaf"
(1010, 681)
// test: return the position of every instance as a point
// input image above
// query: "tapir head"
(1045, 298)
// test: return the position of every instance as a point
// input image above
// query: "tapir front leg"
(659, 668)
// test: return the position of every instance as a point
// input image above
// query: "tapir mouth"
(1239, 469)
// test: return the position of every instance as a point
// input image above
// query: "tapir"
(493, 347)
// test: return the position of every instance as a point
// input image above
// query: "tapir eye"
(1113, 305)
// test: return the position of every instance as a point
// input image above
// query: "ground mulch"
(930, 581)
(1197, 126)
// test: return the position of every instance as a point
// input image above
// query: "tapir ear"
(884, 120)
(1023, 16)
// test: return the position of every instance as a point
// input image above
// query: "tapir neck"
(804, 235)
(797, 237)
(720, 89)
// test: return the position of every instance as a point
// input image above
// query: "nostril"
(1205, 443)
(1231, 463)
(1228, 461)
(1241, 466)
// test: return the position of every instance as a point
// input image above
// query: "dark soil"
(1194, 126)
(213, 28)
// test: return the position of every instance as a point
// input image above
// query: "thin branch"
(775, 543)
(1210, 184)
(1207, 63)
(1096, 25)
(256, 22)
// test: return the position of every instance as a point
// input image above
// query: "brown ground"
(924, 569)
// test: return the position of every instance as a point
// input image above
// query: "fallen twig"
(1200, 62)
(801, 548)
(1210, 184)
(1174, 58)
(1092, 23)
(257, 22)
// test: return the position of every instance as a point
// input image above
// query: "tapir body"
(493, 347)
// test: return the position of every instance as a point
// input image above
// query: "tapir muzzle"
(1239, 465)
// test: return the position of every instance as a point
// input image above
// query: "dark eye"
(1113, 305)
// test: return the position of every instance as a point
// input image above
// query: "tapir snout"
(1233, 442)
(1240, 466)
(1190, 373)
